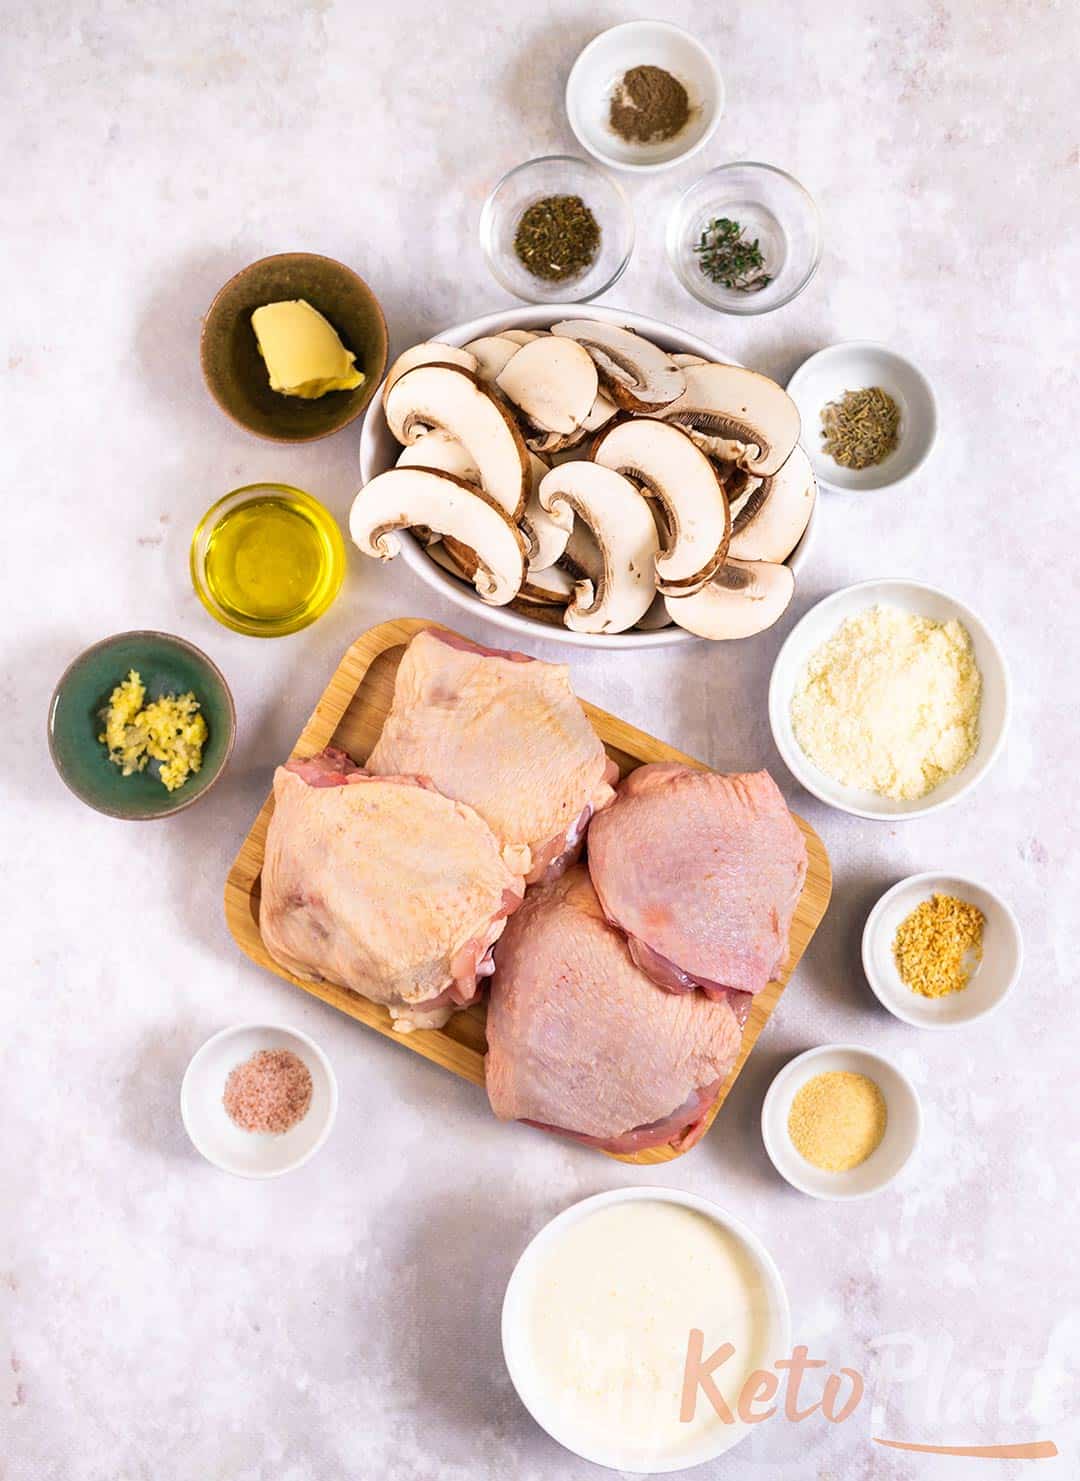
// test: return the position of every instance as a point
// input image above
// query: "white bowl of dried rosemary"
(869, 415)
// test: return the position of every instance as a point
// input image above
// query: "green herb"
(861, 429)
(728, 257)
(557, 237)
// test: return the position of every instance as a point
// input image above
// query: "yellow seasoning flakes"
(837, 1119)
(169, 730)
(938, 946)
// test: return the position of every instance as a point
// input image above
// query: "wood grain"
(350, 715)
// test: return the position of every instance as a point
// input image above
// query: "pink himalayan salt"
(269, 1092)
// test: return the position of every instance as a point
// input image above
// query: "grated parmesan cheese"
(890, 703)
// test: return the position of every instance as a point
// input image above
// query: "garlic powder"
(890, 703)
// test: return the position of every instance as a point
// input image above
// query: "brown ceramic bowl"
(236, 373)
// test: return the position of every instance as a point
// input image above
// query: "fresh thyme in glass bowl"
(744, 239)
(728, 256)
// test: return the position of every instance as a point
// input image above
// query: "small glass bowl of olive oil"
(267, 559)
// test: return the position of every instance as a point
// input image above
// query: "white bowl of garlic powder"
(598, 1319)
(889, 699)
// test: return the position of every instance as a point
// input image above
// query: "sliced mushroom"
(553, 587)
(661, 457)
(775, 517)
(656, 617)
(685, 360)
(439, 450)
(728, 404)
(620, 519)
(635, 373)
(454, 401)
(582, 558)
(404, 497)
(553, 382)
(492, 353)
(519, 336)
(549, 443)
(545, 533)
(743, 598)
(431, 352)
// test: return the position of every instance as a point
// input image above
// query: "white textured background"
(159, 1320)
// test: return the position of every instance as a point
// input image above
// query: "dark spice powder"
(649, 106)
(557, 237)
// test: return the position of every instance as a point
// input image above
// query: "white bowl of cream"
(598, 1318)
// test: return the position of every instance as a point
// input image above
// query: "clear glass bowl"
(557, 174)
(771, 206)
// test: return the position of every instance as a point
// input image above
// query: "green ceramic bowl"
(235, 372)
(166, 665)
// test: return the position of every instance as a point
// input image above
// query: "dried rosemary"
(557, 237)
(861, 429)
(727, 256)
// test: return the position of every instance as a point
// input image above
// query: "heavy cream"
(608, 1312)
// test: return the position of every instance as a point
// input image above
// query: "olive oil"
(267, 560)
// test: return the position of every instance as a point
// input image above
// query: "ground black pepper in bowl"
(649, 106)
(557, 238)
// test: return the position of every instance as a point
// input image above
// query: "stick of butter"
(302, 351)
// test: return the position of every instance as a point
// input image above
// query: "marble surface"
(159, 1319)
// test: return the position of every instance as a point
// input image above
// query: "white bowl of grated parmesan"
(889, 699)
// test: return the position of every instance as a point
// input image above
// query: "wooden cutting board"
(350, 715)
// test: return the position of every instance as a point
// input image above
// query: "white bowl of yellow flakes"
(889, 699)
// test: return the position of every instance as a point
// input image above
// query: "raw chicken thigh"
(505, 734)
(384, 886)
(703, 872)
(581, 1041)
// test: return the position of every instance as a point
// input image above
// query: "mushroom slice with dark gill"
(774, 518)
(405, 497)
(729, 405)
(622, 523)
(546, 533)
(635, 373)
(743, 598)
(455, 402)
(662, 459)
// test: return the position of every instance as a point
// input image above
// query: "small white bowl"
(991, 981)
(214, 1133)
(603, 63)
(902, 1132)
(818, 625)
(853, 366)
(379, 451)
(516, 1346)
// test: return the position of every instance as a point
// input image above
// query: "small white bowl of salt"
(259, 1100)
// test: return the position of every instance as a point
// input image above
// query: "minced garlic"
(890, 703)
(938, 945)
(169, 730)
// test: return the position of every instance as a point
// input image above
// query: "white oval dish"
(602, 63)
(992, 979)
(902, 1133)
(516, 1349)
(212, 1131)
(852, 366)
(379, 450)
(818, 625)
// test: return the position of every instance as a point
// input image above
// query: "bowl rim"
(925, 881)
(787, 1071)
(878, 347)
(260, 1026)
(644, 167)
(362, 402)
(673, 237)
(800, 765)
(487, 211)
(141, 633)
(526, 316)
(336, 539)
(513, 1340)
